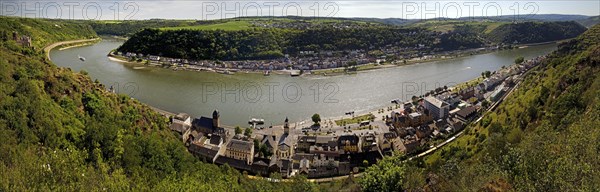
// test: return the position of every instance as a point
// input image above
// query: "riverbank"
(431, 58)
(64, 47)
(542, 43)
(317, 72)
(72, 43)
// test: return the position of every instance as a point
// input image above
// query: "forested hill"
(535, 32)
(543, 137)
(61, 131)
(268, 43)
(590, 21)
(128, 28)
(44, 31)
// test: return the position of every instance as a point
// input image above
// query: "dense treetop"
(535, 32)
(44, 31)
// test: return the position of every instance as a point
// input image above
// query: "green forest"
(270, 43)
(535, 32)
(543, 137)
(62, 131)
(128, 28)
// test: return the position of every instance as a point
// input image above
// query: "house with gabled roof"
(241, 150)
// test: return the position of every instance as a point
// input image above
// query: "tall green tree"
(519, 60)
(387, 175)
(238, 130)
(248, 132)
(316, 118)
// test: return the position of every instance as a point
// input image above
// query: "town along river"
(242, 96)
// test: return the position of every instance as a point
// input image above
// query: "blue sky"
(190, 9)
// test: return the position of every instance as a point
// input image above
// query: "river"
(242, 96)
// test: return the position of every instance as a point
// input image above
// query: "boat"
(295, 73)
(256, 121)
(226, 72)
(267, 73)
(81, 58)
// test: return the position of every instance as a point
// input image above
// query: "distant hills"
(535, 32)
(128, 28)
(503, 18)
(537, 17)
(590, 21)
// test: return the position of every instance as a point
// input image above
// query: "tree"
(386, 175)
(256, 145)
(264, 151)
(238, 130)
(248, 132)
(316, 118)
(486, 74)
(485, 104)
(519, 60)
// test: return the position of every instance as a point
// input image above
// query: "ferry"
(81, 58)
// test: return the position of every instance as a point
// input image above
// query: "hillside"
(448, 25)
(274, 42)
(270, 39)
(535, 32)
(61, 131)
(128, 28)
(44, 31)
(590, 21)
(534, 17)
(543, 137)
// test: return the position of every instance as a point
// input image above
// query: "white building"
(437, 108)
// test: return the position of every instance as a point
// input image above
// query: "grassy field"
(469, 83)
(340, 70)
(245, 23)
(449, 25)
(354, 120)
(227, 26)
(471, 140)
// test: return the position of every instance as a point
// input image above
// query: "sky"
(208, 10)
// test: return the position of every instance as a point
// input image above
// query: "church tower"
(286, 126)
(215, 117)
